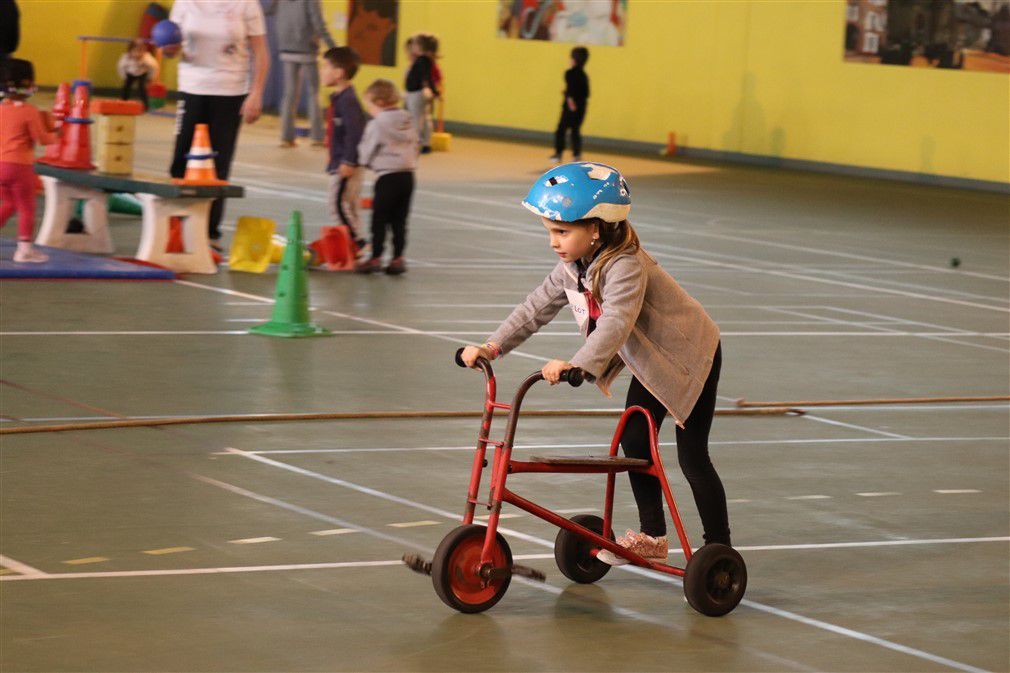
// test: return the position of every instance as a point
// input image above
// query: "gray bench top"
(137, 183)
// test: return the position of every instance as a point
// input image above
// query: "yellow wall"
(761, 77)
(49, 30)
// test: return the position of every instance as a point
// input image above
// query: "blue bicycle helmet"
(578, 191)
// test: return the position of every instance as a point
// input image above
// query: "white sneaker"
(27, 253)
(650, 548)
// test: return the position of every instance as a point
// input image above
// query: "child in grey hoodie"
(389, 147)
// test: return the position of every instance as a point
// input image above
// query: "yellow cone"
(252, 246)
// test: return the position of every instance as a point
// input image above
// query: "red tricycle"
(472, 566)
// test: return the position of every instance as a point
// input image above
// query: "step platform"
(616, 462)
(69, 265)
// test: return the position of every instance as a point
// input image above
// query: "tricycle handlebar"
(574, 376)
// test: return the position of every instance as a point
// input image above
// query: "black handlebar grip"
(459, 358)
(573, 376)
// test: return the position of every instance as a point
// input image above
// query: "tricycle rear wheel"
(571, 551)
(455, 570)
(715, 580)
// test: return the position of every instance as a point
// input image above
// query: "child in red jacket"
(22, 126)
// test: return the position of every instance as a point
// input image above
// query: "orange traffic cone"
(200, 161)
(671, 145)
(61, 108)
(336, 249)
(174, 243)
(75, 139)
(365, 203)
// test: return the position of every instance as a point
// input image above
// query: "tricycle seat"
(592, 461)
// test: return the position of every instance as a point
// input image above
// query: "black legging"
(390, 208)
(692, 453)
(570, 119)
(141, 84)
(221, 114)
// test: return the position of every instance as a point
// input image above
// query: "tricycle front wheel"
(715, 580)
(455, 570)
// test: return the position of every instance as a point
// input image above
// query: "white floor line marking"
(678, 253)
(348, 316)
(39, 575)
(837, 253)
(86, 560)
(943, 337)
(203, 571)
(852, 426)
(955, 491)
(19, 567)
(244, 303)
(757, 606)
(288, 192)
(333, 531)
(406, 543)
(808, 497)
(737, 501)
(254, 540)
(750, 442)
(168, 550)
(877, 494)
(414, 524)
(502, 515)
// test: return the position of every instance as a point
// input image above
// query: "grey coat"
(299, 24)
(648, 323)
(389, 143)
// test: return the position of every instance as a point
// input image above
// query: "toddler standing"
(389, 147)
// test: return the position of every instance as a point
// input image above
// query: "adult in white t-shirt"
(221, 39)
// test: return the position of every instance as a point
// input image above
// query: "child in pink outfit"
(22, 127)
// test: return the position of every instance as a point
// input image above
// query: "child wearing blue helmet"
(632, 314)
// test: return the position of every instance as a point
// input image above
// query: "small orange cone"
(365, 203)
(174, 244)
(336, 249)
(75, 139)
(200, 161)
(671, 145)
(61, 108)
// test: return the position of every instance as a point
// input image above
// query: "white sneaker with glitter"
(650, 548)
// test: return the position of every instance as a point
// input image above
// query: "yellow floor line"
(411, 524)
(254, 540)
(507, 515)
(82, 561)
(334, 531)
(168, 550)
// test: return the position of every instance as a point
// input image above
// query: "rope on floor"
(348, 416)
(744, 404)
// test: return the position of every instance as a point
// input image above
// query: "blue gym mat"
(76, 265)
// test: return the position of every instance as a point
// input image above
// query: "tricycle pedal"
(531, 573)
(417, 563)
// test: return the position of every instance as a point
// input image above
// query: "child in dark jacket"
(573, 108)
(347, 121)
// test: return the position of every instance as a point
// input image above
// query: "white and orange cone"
(200, 161)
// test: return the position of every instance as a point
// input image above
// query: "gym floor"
(876, 537)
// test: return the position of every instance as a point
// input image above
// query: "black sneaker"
(426, 149)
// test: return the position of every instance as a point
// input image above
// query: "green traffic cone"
(125, 204)
(291, 307)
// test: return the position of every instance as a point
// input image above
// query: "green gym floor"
(877, 537)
